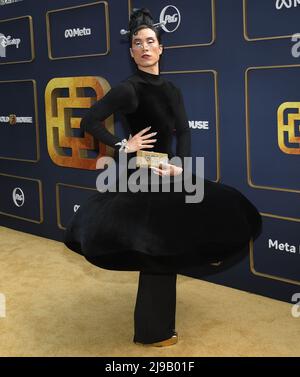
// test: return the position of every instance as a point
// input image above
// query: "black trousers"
(155, 308)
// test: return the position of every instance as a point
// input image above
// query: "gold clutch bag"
(149, 158)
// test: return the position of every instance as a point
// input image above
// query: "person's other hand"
(167, 169)
(140, 141)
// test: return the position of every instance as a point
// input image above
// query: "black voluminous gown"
(158, 231)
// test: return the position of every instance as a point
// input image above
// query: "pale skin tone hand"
(140, 141)
(167, 169)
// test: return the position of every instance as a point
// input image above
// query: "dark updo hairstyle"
(142, 19)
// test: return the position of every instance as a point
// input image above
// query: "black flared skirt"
(160, 231)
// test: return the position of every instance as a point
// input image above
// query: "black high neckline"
(150, 77)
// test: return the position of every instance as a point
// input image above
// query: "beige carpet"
(57, 304)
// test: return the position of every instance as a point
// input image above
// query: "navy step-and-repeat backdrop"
(237, 63)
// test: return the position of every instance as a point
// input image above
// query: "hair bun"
(140, 16)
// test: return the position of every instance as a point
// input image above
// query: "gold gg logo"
(66, 146)
(289, 127)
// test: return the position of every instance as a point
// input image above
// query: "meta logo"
(18, 197)
(172, 18)
(288, 119)
(198, 124)
(71, 33)
(283, 246)
(280, 4)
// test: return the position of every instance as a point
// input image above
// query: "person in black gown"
(156, 233)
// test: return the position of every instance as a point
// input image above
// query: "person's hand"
(167, 169)
(139, 141)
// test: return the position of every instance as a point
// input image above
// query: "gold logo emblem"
(62, 97)
(12, 119)
(289, 127)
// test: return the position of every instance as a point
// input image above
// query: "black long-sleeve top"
(144, 100)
